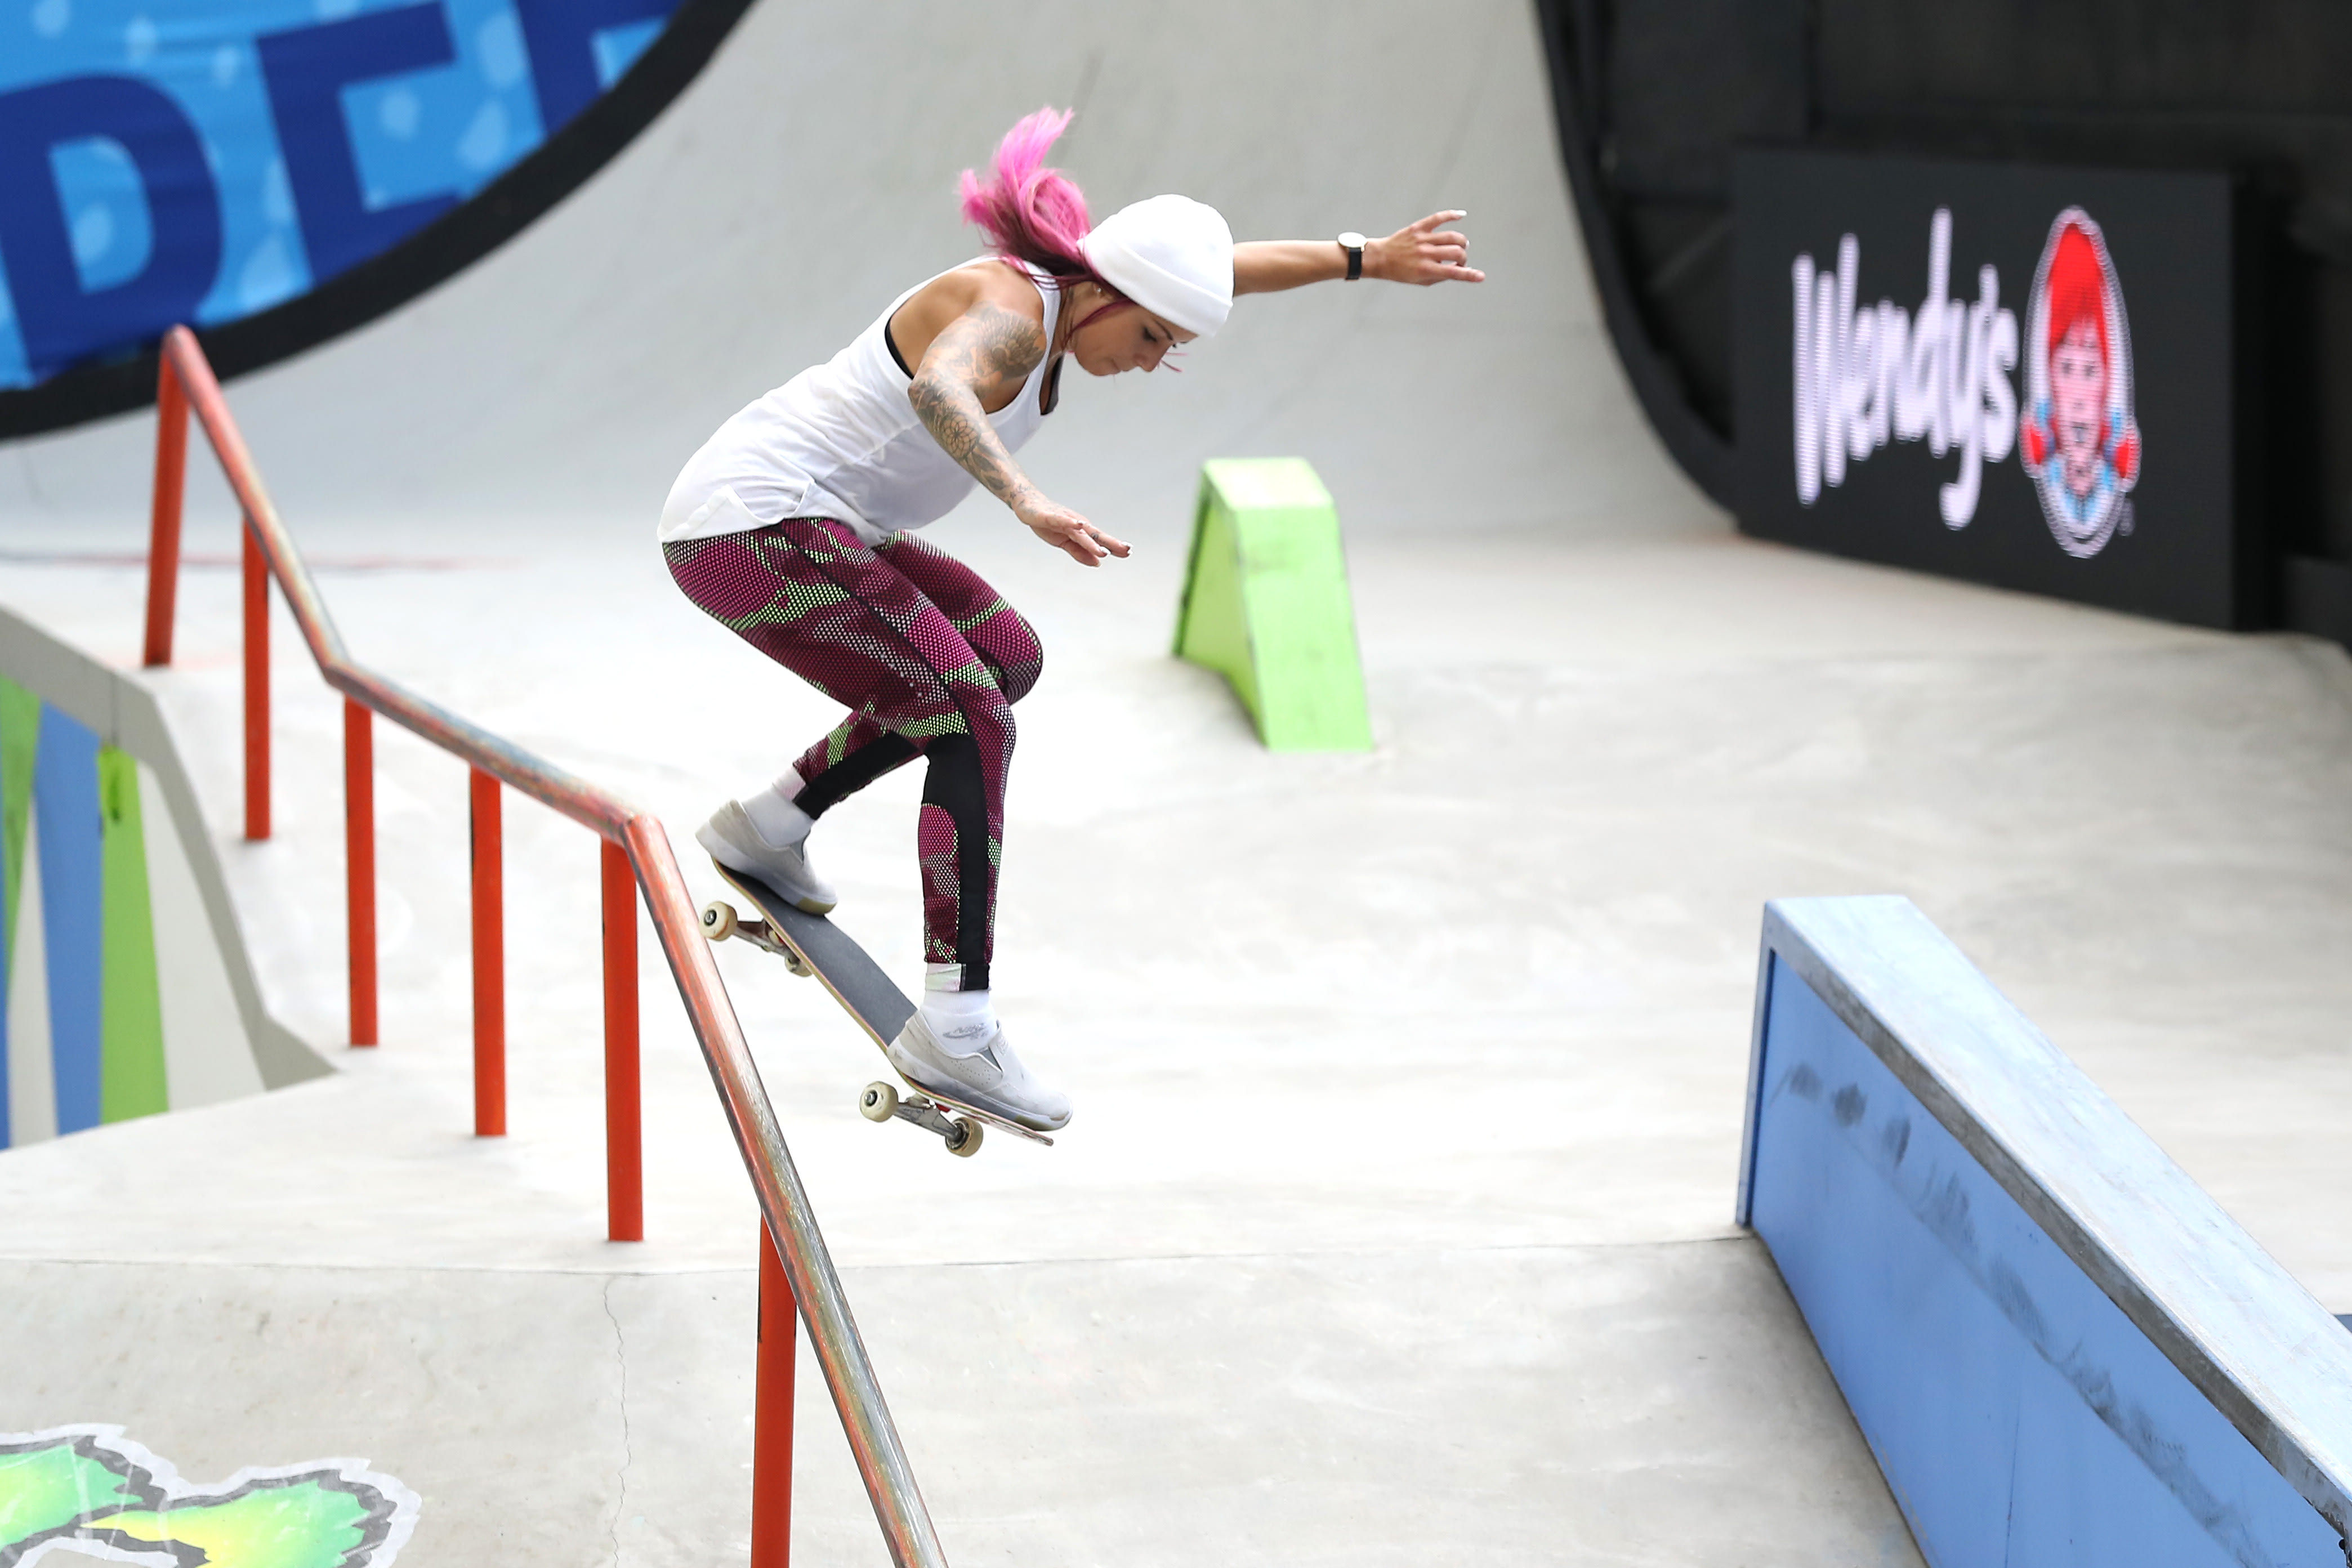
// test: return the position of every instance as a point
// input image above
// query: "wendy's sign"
(2019, 375)
(267, 169)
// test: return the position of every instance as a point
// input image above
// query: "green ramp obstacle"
(1266, 603)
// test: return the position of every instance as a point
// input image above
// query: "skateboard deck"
(811, 945)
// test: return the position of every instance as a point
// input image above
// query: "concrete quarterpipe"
(1396, 1220)
(274, 175)
(764, 218)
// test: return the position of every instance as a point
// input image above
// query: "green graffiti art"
(88, 1490)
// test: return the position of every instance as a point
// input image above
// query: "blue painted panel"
(66, 815)
(209, 159)
(2022, 1419)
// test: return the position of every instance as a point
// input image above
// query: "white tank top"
(840, 440)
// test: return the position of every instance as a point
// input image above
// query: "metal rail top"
(784, 1202)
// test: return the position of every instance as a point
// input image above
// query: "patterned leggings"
(931, 661)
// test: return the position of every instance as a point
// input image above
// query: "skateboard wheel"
(878, 1103)
(718, 920)
(799, 965)
(965, 1142)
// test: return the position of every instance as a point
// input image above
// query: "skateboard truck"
(812, 946)
(719, 922)
(881, 1101)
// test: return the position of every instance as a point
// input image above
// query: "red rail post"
(772, 1412)
(257, 687)
(164, 540)
(625, 1188)
(359, 864)
(490, 963)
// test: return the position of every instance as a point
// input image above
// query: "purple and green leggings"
(929, 661)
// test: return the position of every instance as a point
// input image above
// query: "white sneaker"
(991, 1078)
(734, 841)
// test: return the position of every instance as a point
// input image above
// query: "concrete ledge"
(123, 713)
(2061, 1349)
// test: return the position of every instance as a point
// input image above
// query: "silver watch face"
(1353, 240)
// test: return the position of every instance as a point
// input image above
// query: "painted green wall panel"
(20, 733)
(130, 1012)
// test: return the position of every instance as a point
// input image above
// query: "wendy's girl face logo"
(2077, 436)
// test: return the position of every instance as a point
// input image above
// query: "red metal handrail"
(490, 981)
(359, 860)
(797, 1271)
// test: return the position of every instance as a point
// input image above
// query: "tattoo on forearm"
(974, 355)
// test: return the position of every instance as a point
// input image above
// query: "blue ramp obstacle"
(2060, 1350)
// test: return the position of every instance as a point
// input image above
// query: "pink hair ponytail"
(1031, 212)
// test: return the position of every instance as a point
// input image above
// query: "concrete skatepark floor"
(1394, 1224)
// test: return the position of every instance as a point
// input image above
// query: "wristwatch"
(1353, 243)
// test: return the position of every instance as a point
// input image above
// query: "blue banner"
(202, 160)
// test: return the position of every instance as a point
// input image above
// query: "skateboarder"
(794, 526)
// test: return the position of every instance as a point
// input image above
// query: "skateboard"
(811, 945)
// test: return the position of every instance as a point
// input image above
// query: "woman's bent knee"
(1016, 660)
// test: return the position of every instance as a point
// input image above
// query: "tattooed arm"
(977, 359)
(982, 357)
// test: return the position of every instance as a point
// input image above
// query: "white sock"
(962, 1021)
(773, 812)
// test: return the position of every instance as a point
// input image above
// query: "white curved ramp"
(808, 176)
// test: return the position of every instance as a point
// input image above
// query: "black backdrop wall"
(1653, 96)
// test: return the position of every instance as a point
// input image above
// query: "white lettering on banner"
(1868, 374)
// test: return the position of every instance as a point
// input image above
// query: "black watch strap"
(1353, 243)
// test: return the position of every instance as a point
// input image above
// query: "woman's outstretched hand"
(1425, 253)
(1070, 533)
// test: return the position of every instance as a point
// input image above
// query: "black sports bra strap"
(890, 341)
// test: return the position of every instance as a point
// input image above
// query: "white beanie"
(1171, 254)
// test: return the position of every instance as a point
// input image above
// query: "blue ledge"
(2061, 1349)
